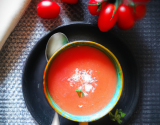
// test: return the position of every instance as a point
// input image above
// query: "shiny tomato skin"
(139, 12)
(93, 8)
(70, 1)
(105, 20)
(125, 18)
(48, 9)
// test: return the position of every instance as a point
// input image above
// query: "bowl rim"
(108, 107)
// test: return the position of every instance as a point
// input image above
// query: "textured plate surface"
(36, 61)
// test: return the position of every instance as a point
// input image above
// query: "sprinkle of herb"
(118, 116)
(80, 92)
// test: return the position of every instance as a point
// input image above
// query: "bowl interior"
(116, 95)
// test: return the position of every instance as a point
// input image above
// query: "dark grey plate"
(32, 78)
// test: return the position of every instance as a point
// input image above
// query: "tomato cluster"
(48, 9)
(122, 12)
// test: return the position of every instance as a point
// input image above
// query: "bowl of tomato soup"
(83, 81)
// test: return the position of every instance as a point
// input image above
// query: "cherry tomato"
(95, 6)
(125, 18)
(139, 11)
(106, 19)
(48, 9)
(70, 1)
(140, 1)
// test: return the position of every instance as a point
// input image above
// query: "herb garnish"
(80, 92)
(118, 116)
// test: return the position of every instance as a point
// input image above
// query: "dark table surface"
(143, 40)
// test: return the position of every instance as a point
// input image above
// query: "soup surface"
(81, 68)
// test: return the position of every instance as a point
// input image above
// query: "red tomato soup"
(84, 68)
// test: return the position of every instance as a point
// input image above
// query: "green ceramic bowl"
(116, 95)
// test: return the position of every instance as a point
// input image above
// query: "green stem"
(117, 3)
(132, 4)
(99, 3)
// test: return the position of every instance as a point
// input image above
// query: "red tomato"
(70, 1)
(105, 20)
(94, 6)
(125, 18)
(139, 11)
(140, 1)
(48, 9)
